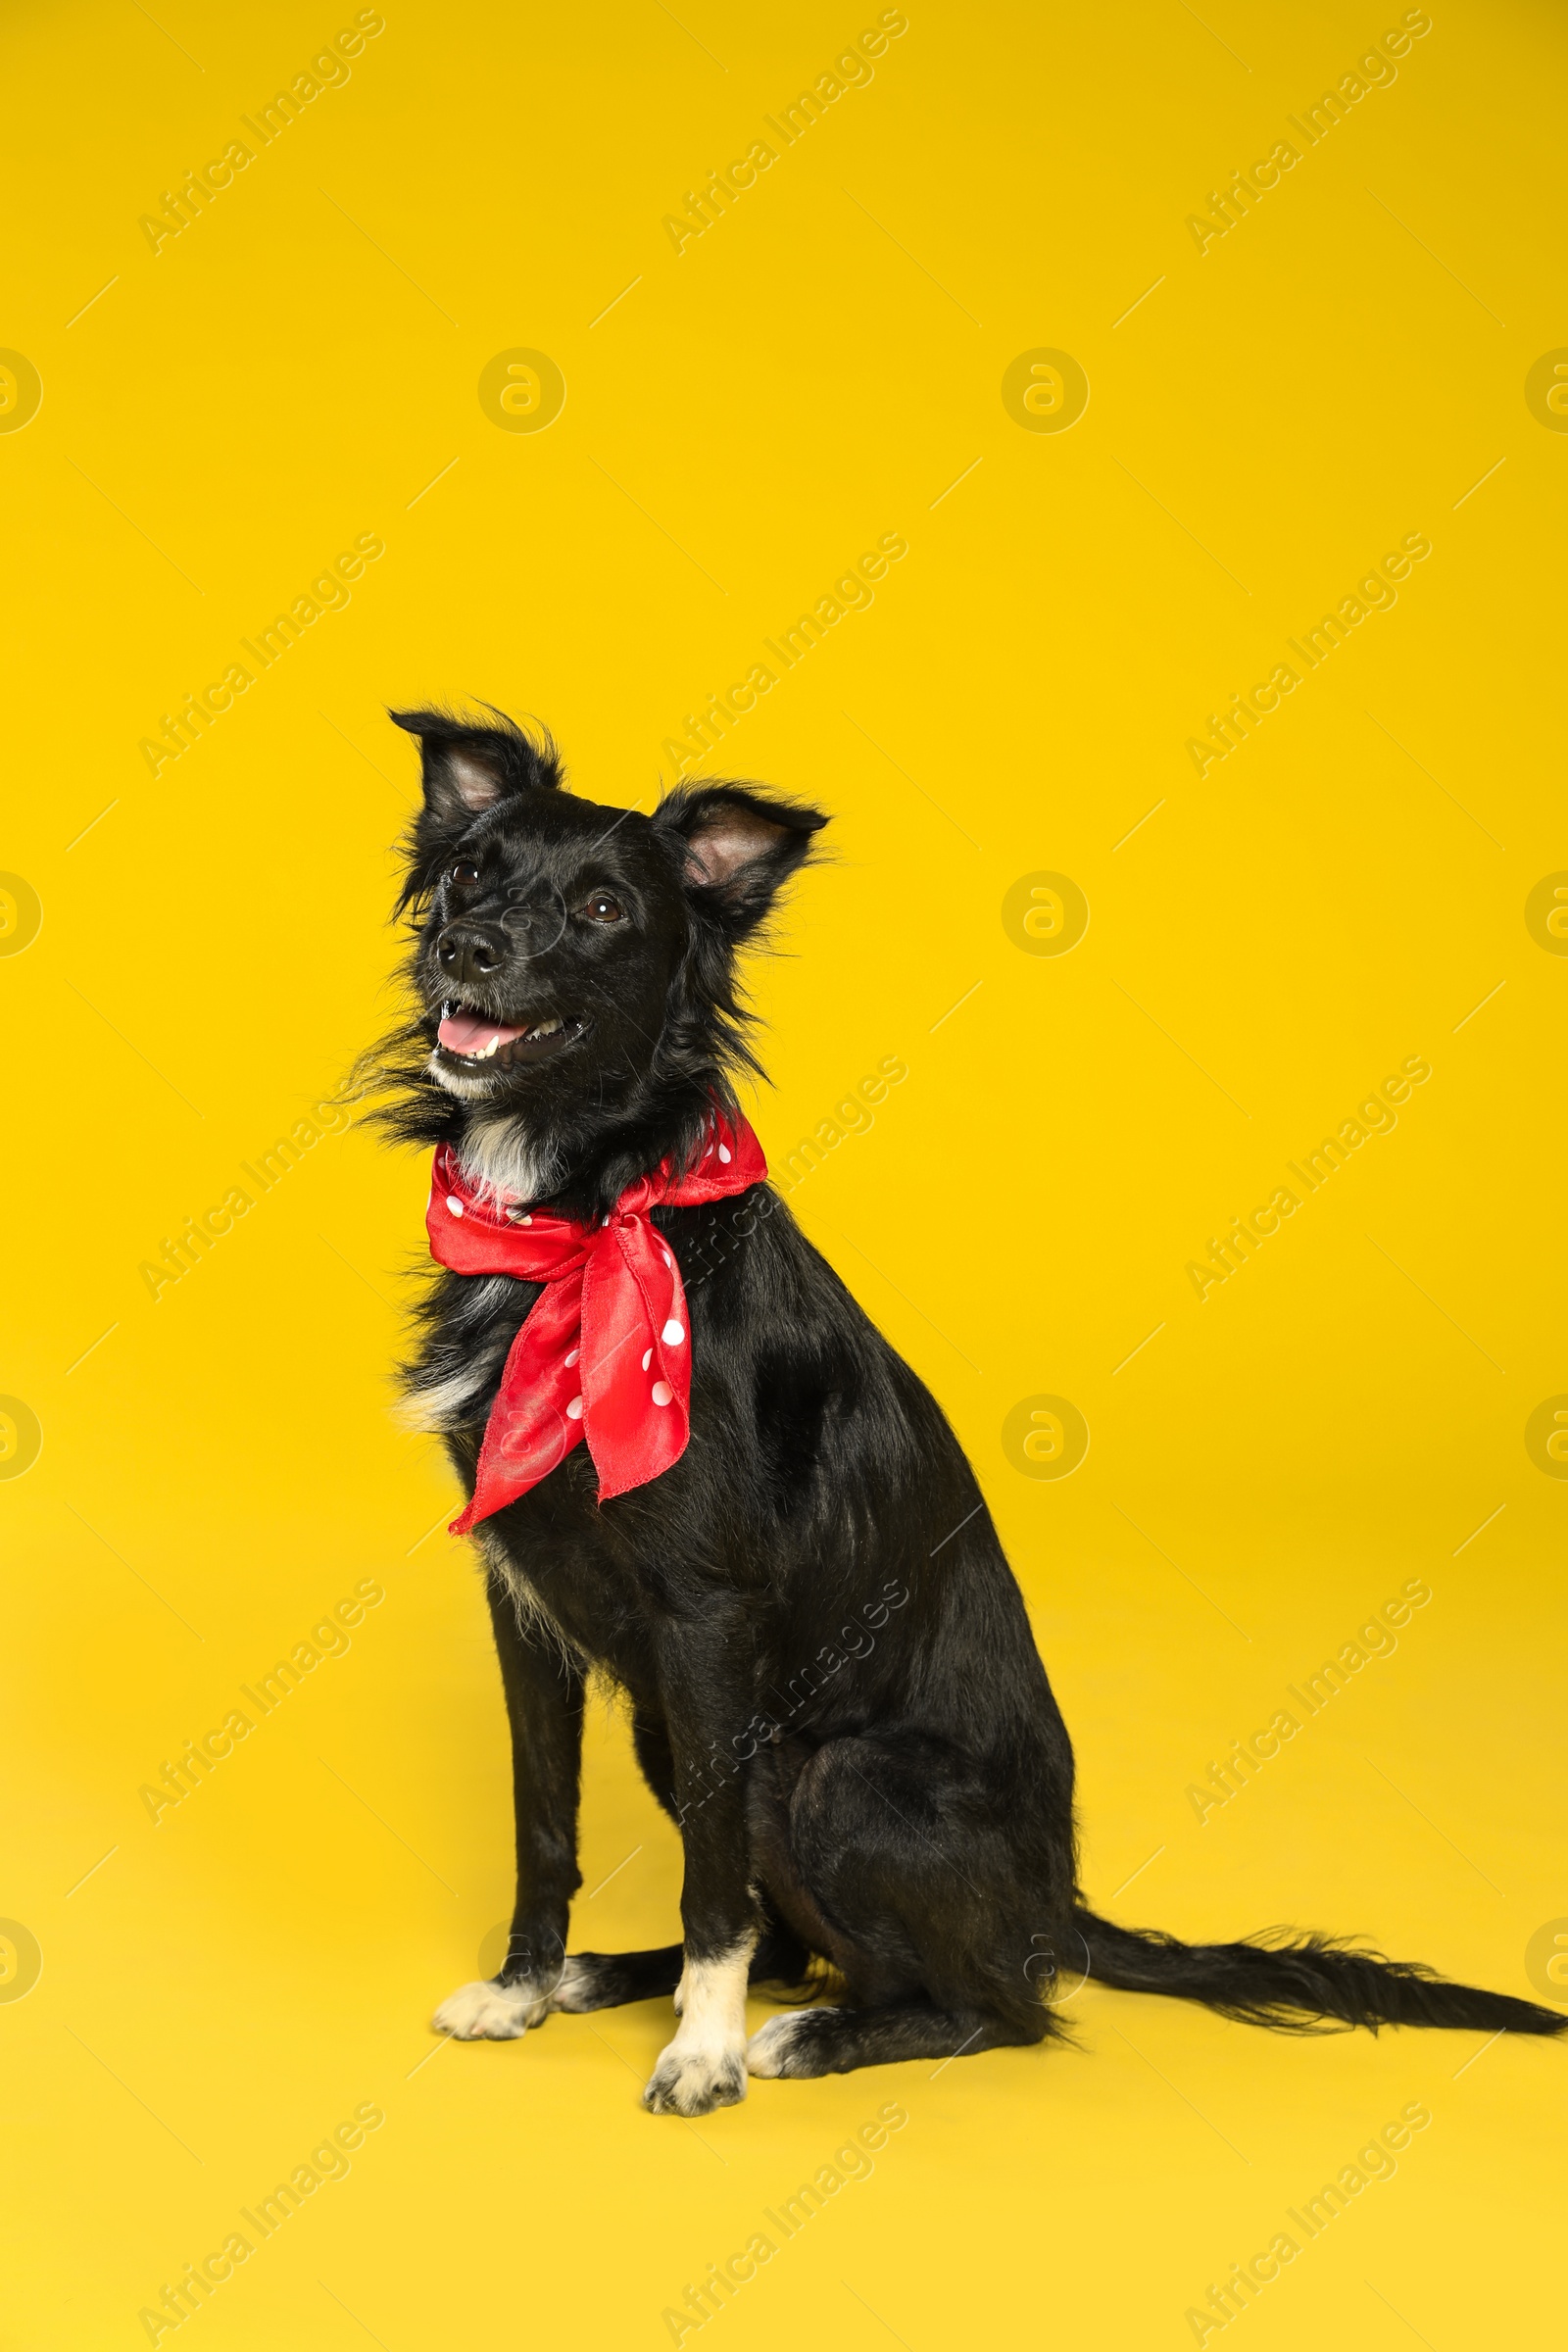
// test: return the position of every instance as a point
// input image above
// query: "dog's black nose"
(470, 950)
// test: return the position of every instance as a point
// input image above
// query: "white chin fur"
(501, 1157)
(498, 1153)
(472, 1086)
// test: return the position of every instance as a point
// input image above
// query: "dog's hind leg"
(836, 2040)
(922, 1887)
(609, 1980)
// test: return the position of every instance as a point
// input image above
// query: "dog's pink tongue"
(471, 1032)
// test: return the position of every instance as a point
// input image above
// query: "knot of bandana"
(605, 1353)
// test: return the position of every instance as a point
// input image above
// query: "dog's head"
(574, 964)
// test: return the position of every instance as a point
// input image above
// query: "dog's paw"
(776, 2048)
(489, 2011)
(694, 2081)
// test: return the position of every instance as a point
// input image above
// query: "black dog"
(901, 1832)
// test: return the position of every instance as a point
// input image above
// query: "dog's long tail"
(1300, 1984)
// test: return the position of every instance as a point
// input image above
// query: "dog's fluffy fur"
(898, 1830)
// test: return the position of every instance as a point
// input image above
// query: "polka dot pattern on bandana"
(605, 1351)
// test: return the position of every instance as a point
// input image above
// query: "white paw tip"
(696, 2084)
(487, 2012)
(768, 2053)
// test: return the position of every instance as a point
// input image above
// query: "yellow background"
(820, 368)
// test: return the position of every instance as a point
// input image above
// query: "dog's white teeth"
(548, 1028)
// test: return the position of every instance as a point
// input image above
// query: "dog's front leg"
(544, 1691)
(706, 1690)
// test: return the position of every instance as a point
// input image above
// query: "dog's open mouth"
(478, 1040)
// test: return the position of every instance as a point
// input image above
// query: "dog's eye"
(603, 909)
(463, 874)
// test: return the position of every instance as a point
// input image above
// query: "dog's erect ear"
(738, 848)
(467, 769)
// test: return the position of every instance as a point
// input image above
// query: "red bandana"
(605, 1353)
